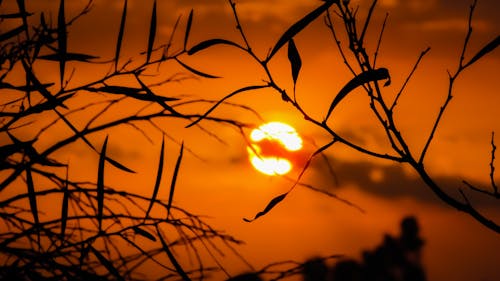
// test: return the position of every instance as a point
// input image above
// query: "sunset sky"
(217, 180)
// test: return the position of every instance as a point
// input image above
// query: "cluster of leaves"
(86, 240)
(368, 76)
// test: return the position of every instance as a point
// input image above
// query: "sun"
(272, 147)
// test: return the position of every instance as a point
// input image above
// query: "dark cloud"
(392, 181)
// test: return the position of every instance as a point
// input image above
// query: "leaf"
(143, 233)
(107, 264)
(15, 15)
(68, 57)
(24, 15)
(298, 26)
(295, 61)
(485, 50)
(129, 91)
(64, 208)
(269, 207)
(209, 43)
(119, 166)
(157, 99)
(158, 178)
(152, 32)
(120, 34)
(40, 87)
(100, 184)
(364, 77)
(244, 89)
(188, 28)
(174, 179)
(11, 33)
(197, 72)
(172, 258)
(32, 195)
(61, 40)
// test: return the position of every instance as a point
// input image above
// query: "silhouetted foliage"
(367, 75)
(103, 232)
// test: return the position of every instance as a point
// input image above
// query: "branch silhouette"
(367, 76)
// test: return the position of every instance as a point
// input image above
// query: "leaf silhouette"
(68, 57)
(136, 93)
(119, 166)
(241, 90)
(61, 40)
(144, 233)
(107, 264)
(188, 28)
(174, 179)
(156, 98)
(40, 87)
(64, 208)
(24, 15)
(172, 258)
(100, 184)
(492, 45)
(197, 72)
(120, 34)
(11, 33)
(364, 77)
(269, 207)
(295, 61)
(152, 32)
(158, 179)
(298, 26)
(209, 43)
(32, 195)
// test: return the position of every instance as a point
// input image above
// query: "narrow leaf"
(209, 43)
(241, 90)
(100, 184)
(298, 26)
(365, 77)
(136, 93)
(32, 195)
(156, 98)
(143, 233)
(107, 264)
(11, 33)
(120, 34)
(295, 61)
(152, 33)
(174, 179)
(118, 165)
(197, 72)
(22, 10)
(188, 28)
(61, 40)
(485, 50)
(69, 57)
(158, 179)
(269, 207)
(40, 87)
(172, 258)
(64, 209)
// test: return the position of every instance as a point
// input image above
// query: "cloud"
(391, 181)
(443, 25)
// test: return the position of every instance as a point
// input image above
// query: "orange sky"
(457, 247)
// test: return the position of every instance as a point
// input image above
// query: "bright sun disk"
(271, 143)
